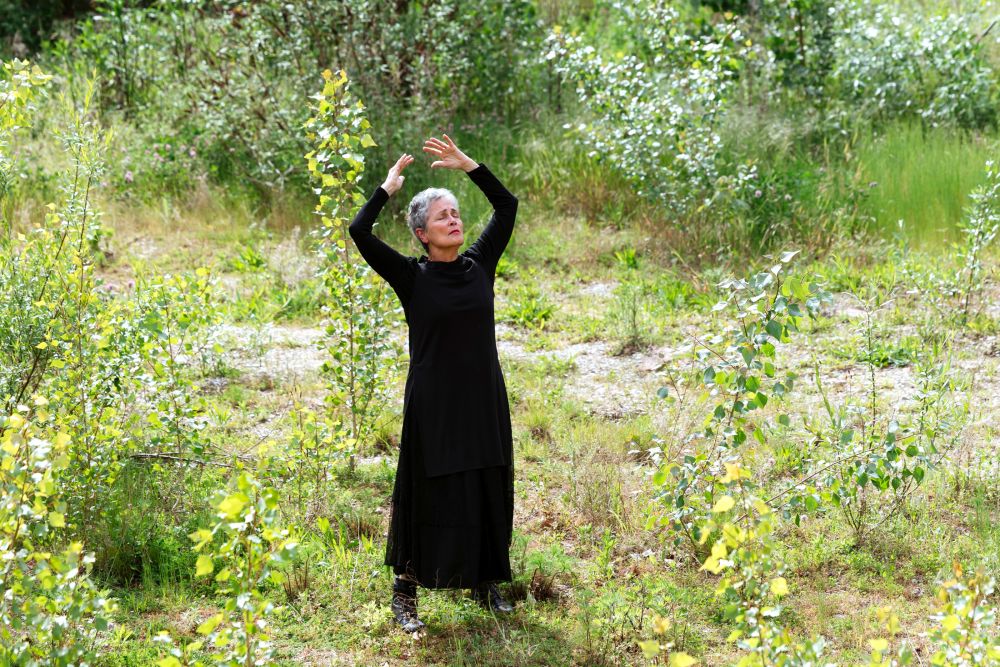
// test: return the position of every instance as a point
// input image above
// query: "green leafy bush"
(50, 612)
(892, 63)
(652, 113)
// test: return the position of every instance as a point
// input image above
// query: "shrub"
(653, 113)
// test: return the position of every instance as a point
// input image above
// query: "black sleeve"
(492, 242)
(396, 269)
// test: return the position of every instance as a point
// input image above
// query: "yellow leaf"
(62, 439)
(660, 625)
(732, 473)
(208, 626)
(893, 625)
(202, 535)
(15, 422)
(878, 644)
(57, 520)
(367, 141)
(950, 622)
(681, 660)
(779, 586)
(712, 564)
(724, 504)
(232, 505)
(650, 648)
(169, 661)
(204, 566)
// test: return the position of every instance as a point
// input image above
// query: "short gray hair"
(416, 216)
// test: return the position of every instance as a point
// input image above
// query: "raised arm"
(495, 237)
(395, 268)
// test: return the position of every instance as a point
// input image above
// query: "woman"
(453, 500)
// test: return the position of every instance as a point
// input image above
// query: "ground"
(589, 572)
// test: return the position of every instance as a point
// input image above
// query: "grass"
(923, 177)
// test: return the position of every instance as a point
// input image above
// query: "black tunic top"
(455, 402)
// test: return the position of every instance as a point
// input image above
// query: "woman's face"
(444, 226)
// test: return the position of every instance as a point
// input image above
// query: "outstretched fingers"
(402, 163)
(435, 146)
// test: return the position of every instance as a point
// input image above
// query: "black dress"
(453, 499)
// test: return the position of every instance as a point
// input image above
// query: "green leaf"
(775, 328)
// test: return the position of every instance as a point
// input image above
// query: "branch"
(178, 459)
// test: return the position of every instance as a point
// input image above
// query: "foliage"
(738, 367)
(20, 87)
(362, 357)
(878, 461)
(966, 621)
(253, 544)
(653, 112)
(115, 363)
(228, 78)
(792, 50)
(891, 63)
(317, 442)
(710, 496)
(528, 306)
(50, 611)
(24, 26)
(629, 314)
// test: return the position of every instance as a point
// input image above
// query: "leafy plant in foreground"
(709, 498)
(50, 611)
(253, 545)
(739, 368)
(363, 358)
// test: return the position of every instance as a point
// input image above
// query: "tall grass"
(922, 177)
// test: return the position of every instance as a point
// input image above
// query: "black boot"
(404, 605)
(488, 595)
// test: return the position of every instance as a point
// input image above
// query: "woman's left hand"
(451, 156)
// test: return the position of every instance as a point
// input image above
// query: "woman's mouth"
(455, 231)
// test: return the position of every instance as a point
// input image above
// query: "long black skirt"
(450, 531)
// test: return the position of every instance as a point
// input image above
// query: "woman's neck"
(436, 254)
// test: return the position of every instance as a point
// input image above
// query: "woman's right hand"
(394, 181)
